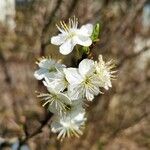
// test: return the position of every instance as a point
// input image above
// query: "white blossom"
(70, 36)
(83, 82)
(47, 67)
(57, 102)
(69, 125)
(68, 88)
(103, 70)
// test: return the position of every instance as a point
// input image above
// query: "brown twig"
(36, 132)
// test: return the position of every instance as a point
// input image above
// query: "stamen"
(62, 31)
(65, 26)
(73, 23)
(69, 23)
(62, 24)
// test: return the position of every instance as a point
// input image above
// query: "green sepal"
(85, 50)
(96, 33)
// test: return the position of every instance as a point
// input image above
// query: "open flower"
(83, 82)
(104, 72)
(47, 67)
(57, 102)
(68, 125)
(70, 36)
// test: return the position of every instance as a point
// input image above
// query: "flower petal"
(89, 96)
(72, 75)
(86, 30)
(57, 81)
(40, 74)
(58, 40)
(67, 47)
(76, 92)
(83, 40)
(46, 63)
(86, 67)
(64, 98)
(59, 103)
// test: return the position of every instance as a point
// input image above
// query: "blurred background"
(117, 120)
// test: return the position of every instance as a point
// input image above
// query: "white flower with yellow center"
(58, 103)
(69, 125)
(103, 70)
(47, 67)
(70, 36)
(83, 82)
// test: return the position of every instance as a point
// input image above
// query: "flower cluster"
(68, 87)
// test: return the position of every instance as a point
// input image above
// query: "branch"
(36, 132)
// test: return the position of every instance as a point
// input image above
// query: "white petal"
(64, 98)
(58, 40)
(86, 30)
(51, 90)
(46, 63)
(80, 118)
(83, 40)
(72, 75)
(76, 91)
(86, 67)
(89, 96)
(61, 100)
(94, 90)
(55, 125)
(40, 74)
(47, 81)
(57, 81)
(67, 47)
(58, 85)
(52, 108)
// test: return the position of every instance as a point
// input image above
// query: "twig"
(36, 132)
